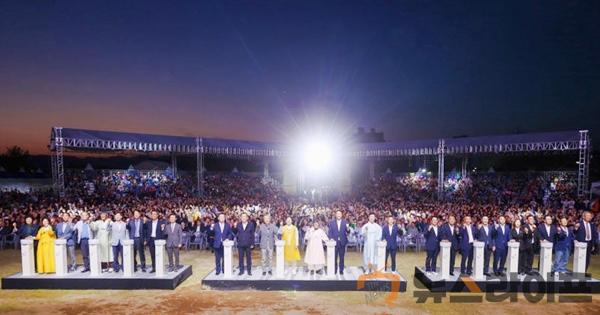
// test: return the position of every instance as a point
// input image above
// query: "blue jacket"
(464, 237)
(220, 236)
(339, 236)
(69, 233)
(159, 232)
(131, 229)
(451, 236)
(245, 237)
(564, 240)
(543, 235)
(500, 240)
(486, 238)
(580, 233)
(432, 240)
(390, 238)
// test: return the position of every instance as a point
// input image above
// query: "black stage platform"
(567, 283)
(106, 281)
(303, 281)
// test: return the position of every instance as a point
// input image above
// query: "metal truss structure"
(574, 142)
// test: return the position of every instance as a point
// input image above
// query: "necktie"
(588, 235)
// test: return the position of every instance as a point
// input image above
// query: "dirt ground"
(193, 298)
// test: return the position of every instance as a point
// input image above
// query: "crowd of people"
(94, 203)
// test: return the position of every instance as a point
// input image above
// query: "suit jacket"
(245, 237)
(564, 240)
(501, 239)
(580, 233)
(432, 239)
(340, 236)
(464, 237)
(390, 238)
(159, 233)
(543, 234)
(118, 233)
(221, 235)
(451, 234)
(486, 238)
(173, 234)
(517, 236)
(68, 234)
(131, 228)
(31, 230)
(268, 235)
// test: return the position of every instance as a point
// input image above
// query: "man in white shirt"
(586, 231)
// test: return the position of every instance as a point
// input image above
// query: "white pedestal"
(60, 257)
(159, 252)
(513, 257)
(95, 265)
(279, 265)
(478, 260)
(381, 245)
(545, 259)
(227, 257)
(128, 258)
(579, 257)
(27, 261)
(445, 257)
(330, 258)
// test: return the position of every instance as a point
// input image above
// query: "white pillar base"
(579, 257)
(227, 258)
(381, 245)
(513, 257)
(27, 261)
(545, 259)
(330, 258)
(279, 263)
(128, 258)
(95, 265)
(159, 252)
(478, 260)
(445, 259)
(60, 257)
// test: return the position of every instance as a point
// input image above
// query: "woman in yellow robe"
(289, 234)
(45, 250)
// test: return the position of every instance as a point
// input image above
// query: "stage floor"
(353, 280)
(108, 280)
(567, 283)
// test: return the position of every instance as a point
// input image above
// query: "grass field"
(192, 298)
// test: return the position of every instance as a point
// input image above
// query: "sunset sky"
(256, 69)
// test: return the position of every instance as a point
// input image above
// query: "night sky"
(257, 70)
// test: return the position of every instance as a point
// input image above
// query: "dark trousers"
(452, 259)
(528, 253)
(487, 253)
(431, 259)
(85, 252)
(499, 259)
(138, 248)
(152, 252)
(466, 259)
(588, 254)
(523, 259)
(173, 251)
(219, 259)
(392, 253)
(117, 252)
(245, 252)
(340, 252)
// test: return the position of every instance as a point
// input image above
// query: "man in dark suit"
(137, 233)
(222, 232)
(432, 245)
(449, 232)
(154, 231)
(585, 231)
(338, 231)
(390, 233)
(244, 233)
(563, 246)
(468, 234)
(485, 236)
(547, 231)
(501, 236)
(29, 230)
(531, 229)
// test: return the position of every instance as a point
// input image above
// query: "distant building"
(368, 137)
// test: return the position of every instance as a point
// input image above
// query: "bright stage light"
(317, 156)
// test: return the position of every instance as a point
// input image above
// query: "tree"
(14, 158)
